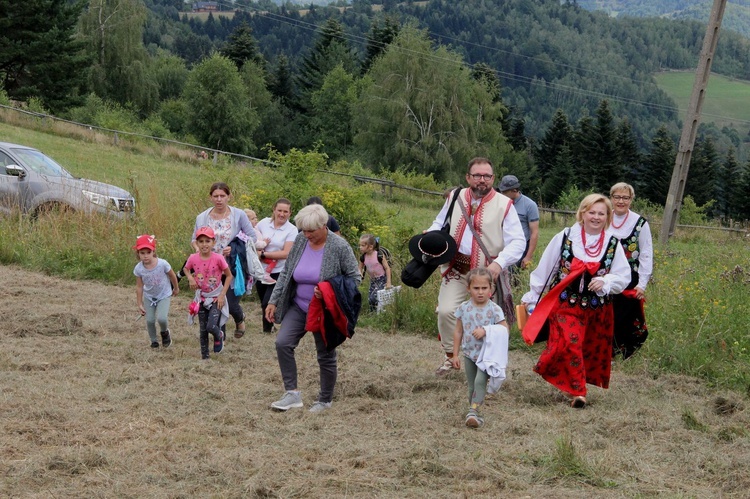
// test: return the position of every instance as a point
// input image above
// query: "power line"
(530, 80)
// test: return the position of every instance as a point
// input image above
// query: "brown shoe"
(239, 333)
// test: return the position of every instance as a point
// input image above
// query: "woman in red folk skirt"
(583, 266)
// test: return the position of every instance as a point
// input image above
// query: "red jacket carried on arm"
(335, 315)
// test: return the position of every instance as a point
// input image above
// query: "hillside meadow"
(89, 409)
(724, 103)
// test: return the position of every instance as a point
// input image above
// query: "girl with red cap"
(156, 284)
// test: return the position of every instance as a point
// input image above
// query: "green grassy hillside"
(725, 103)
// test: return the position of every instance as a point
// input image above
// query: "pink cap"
(205, 231)
(145, 241)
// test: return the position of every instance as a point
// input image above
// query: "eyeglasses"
(621, 198)
(479, 176)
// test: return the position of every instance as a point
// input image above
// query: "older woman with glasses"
(635, 237)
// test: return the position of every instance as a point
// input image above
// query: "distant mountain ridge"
(736, 15)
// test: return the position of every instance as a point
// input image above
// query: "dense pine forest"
(562, 96)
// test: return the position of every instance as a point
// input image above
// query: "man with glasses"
(528, 214)
(496, 222)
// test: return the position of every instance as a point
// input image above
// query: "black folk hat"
(433, 248)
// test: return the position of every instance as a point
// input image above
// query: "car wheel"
(52, 209)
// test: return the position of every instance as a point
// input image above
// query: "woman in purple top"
(317, 255)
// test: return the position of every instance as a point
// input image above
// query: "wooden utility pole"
(690, 127)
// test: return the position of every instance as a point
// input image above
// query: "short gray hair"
(622, 186)
(311, 217)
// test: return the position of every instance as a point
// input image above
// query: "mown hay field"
(88, 409)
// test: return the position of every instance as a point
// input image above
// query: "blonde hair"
(590, 201)
(479, 272)
(622, 186)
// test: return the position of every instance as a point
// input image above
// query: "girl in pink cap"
(156, 284)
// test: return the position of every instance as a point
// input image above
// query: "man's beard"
(481, 191)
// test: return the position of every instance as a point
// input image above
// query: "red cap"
(145, 241)
(205, 231)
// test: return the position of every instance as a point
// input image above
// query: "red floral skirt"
(579, 348)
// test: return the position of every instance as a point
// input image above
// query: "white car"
(33, 183)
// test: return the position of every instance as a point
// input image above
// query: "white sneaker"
(473, 420)
(445, 368)
(320, 406)
(288, 401)
(267, 280)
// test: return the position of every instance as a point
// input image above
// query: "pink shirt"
(374, 268)
(207, 273)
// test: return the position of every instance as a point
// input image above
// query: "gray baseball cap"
(508, 182)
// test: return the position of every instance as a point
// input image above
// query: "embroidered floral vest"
(633, 251)
(579, 293)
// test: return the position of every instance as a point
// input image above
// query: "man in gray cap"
(528, 214)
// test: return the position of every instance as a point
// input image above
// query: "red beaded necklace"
(623, 222)
(597, 249)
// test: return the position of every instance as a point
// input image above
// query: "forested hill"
(548, 55)
(736, 15)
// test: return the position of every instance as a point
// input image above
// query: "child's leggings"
(156, 314)
(477, 380)
(209, 319)
(376, 284)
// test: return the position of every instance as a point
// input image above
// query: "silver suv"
(33, 183)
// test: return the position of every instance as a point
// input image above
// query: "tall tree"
(559, 178)
(242, 47)
(378, 39)
(218, 107)
(333, 105)
(121, 73)
(743, 185)
(281, 84)
(421, 109)
(330, 50)
(704, 167)
(658, 166)
(274, 127)
(39, 56)
(584, 154)
(730, 174)
(628, 155)
(608, 170)
(559, 135)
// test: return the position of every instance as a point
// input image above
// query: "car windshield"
(40, 163)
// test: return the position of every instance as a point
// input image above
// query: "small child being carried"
(156, 284)
(473, 318)
(204, 272)
(376, 265)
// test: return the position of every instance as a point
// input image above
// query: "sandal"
(578, 402)
(239, 333)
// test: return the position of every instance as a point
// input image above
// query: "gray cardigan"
(338, 259)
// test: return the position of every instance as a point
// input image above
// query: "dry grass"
(88, 409)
